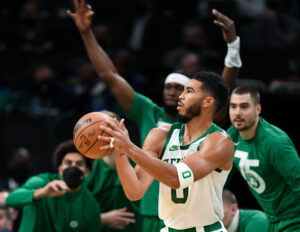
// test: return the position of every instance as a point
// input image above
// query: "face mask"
(73, 177)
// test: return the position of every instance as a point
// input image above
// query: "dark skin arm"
(120, 88)
(229, 35)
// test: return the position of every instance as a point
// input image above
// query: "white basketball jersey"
(199, 204)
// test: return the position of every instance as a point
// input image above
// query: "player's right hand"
(82, 16)
(55, 188)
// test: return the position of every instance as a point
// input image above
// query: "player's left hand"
(226, 24)
(120, 134)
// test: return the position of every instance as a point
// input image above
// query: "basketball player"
(191, 159)
(267, 160)
(58, 201)
(150, 115)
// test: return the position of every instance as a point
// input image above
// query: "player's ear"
(208, 102)
(258, 109)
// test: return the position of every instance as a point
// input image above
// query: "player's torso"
(201, 201)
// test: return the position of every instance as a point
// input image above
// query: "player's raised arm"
(232, 59)
(102, 63)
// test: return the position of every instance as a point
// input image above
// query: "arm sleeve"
(285, 160)
(24, 194)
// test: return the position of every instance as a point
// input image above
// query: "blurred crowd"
(41, 51)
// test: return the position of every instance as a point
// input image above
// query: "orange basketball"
(85, 135)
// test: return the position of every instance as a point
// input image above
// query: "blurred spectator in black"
(46, 93)
(104, 36)
(20, 168)
(32, 29)
(193, 40)
(88, 88)
(190, 63)
(148, 37)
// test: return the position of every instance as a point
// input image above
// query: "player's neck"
(195, 128)
(250, 132)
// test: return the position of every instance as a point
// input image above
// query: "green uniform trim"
(209, 228)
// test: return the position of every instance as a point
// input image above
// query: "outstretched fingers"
(82, 4)
(76, 4)
(72, 15)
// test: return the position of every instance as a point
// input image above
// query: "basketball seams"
(91, 146)
(86, 128)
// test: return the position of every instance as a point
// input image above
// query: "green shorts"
(287, 225)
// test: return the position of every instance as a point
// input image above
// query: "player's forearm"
(158, 169)
(230, 75)
(102, 63)
(130, 181)
(19, 198)
(105, 68)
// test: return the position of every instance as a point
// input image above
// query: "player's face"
(242, 111)
(3, 220)
(172, 92)
(190, 101)
(73, 160)
(228, 214)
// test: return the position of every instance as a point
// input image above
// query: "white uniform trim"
(185, 175)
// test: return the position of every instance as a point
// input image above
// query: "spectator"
(58, 201)
(242, 220)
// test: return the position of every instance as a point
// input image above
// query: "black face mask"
(73, 177)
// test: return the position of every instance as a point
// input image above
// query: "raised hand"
(82, 16)
(226, 24)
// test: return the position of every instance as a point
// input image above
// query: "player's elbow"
(175, 184)
(134, 196)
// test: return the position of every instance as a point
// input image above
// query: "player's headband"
(177, 78)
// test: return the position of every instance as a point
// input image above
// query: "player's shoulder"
(162, 130)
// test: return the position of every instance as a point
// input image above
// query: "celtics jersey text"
(199, 204)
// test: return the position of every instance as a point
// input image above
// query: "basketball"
(85, 135)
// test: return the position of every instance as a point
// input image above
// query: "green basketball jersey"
(148, 115)
(78, 212)
(271, 166)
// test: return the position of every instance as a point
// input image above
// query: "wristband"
(232, 59)
(185, 175)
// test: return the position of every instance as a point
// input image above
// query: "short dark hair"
(215, 85)
(229, 197)
(248, 89)
(65, 148)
